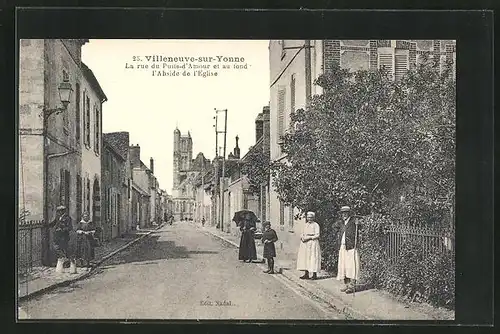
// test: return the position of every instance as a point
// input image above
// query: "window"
(385, 61)
(79, 206)
(64, 188)
(88, 196)
(65, 113)
(292, 93)
(281, 114)
(87, 122)
(97, 129)
(282, 213)
(401, 65)
(78, 116)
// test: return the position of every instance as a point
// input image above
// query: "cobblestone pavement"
(177, 272)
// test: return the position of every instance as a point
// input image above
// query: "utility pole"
(216, 166)
(202, 188)
(221, 182)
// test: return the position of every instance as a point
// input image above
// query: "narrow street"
(178, 272)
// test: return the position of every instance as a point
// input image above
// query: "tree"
(256, 167)
(375, 144)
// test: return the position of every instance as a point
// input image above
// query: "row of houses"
(294, 66)
(64, 157)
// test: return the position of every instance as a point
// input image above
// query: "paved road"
(178, 272)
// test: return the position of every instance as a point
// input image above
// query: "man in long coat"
(348, 266)
(309, 256)
(62, 246)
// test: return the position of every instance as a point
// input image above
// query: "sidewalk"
(43, 279)
(371, 304)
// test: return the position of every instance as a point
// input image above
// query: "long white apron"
(348, 263)
(309, 256)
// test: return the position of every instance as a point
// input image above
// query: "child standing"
(269, 237)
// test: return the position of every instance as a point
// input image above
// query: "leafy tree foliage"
(256, 168)
(375, 144)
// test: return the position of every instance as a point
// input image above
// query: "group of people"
(71, 242)
(309, 254)
(247, 250)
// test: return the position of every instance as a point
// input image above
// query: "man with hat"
(348, 266)
(62, 227)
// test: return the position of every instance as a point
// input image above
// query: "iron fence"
(431, 239)
(29, 245)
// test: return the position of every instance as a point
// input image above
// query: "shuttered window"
(97, 129)
(292, 93)
(282, 213)
(385, 61)
(87, 121)
(281, 113)
(78, 197)
(78, 115)
(88, 196)
(290, 218)
(402, 65)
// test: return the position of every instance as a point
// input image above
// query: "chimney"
(152, 165)
(258, 127)
(237, 149)
(135, 155)
(265, 128)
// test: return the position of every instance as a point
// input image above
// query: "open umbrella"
(245, 214)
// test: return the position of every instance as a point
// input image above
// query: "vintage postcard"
(236, 179)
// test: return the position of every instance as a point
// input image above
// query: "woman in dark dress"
(86, 239)
(247, 251)
(269, 237)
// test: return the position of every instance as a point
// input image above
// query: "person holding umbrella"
(247, 220)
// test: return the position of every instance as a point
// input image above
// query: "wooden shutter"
(282, 213)
(290, 218)
(402, 65)
(78, 197)
(78, 116)
(87, 123)
(281, 113)
(385, 60)
(97, 125)
(62, 192)
(292, 93)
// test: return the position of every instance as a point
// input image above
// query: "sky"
(150, 107)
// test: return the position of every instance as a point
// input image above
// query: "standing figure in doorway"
(247, 251)
(309, 256)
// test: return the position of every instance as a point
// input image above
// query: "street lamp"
(65, 91)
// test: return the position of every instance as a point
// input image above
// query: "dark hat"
(264, 224)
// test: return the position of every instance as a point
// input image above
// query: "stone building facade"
(51, 146)
(116, 184)
(141, 183)
(295, 65)
(90, 97)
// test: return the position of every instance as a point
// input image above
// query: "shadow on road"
(151, 249)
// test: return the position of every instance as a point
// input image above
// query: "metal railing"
(29, 245)
(431, 239)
